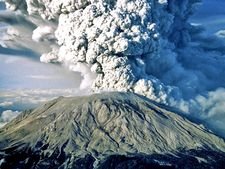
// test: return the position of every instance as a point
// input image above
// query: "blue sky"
(17, 72)
(211, 14)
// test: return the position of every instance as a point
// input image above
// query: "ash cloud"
(142, 46)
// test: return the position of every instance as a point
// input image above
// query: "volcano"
(107, 130)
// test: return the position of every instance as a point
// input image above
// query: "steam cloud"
(7, 116)
(142, 46)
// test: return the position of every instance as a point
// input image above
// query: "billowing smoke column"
(117, 41)
(143, 46)
(113, 38)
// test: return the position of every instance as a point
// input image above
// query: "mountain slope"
(95, 130)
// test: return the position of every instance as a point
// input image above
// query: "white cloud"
(29, 98)
(221, 33)
(212, 105)
(6, 104)
(7, 116)
(43, 33)
(42, 77)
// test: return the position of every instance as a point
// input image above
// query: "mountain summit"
(107, 130)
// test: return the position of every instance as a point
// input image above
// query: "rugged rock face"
(109, 130)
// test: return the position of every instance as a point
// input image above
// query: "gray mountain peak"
(101, 130)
